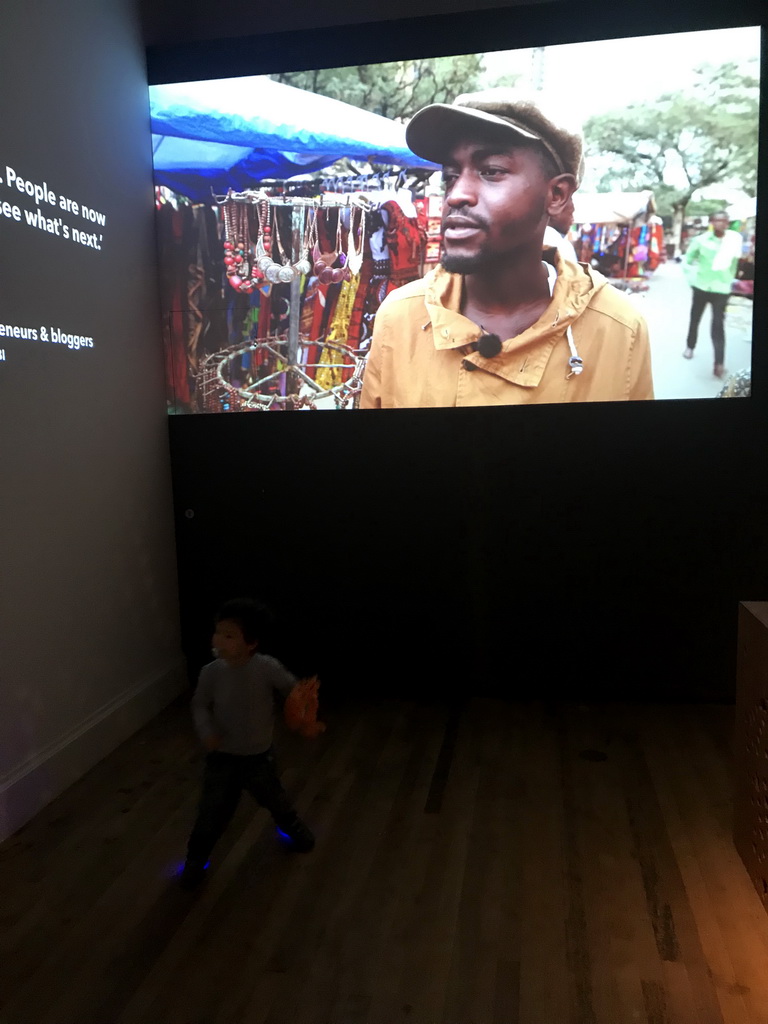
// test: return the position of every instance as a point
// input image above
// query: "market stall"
(272, 273)
(743, 218)
(619, 234)
(212, 136)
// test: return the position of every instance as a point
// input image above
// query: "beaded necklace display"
(351, 261)
(242, 274)
(323, 263)
(285, 271)
(254, 252)
(247, 264)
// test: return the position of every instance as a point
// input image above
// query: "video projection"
(463, 230)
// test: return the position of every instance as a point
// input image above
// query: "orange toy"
(301, 708)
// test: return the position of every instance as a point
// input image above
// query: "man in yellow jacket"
(496, 324)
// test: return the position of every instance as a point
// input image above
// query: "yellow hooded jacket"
(422, 355)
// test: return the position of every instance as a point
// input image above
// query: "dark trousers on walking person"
(225, 777)
(718, 303)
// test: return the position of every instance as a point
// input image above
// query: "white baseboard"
(32, 785)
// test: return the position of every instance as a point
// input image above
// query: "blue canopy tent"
(231, 133)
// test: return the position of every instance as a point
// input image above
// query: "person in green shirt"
(710, 265)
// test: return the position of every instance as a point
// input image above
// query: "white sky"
(590, 78)
(583, 79)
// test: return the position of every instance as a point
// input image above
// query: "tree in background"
(705, 207)
(395, 90)
(705, 136)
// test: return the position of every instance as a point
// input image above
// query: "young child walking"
(233, 709)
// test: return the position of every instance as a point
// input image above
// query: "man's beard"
(517, 238)
(460, 264)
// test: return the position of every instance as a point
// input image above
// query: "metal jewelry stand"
(299, 204)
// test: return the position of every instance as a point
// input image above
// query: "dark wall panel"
(595, 550)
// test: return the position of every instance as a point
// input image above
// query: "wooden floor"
(489, 864)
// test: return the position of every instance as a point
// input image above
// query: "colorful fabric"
(172, 290)
(327, 376)
(406, 241)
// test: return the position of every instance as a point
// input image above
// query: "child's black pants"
(224, 779)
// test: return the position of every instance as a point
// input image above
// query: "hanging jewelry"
(323, 261)
(286, 273)
(242, 273)
(303, 266)
(264, 260)
(234, 246)
(355, 255)
(343, 273)
(283, 272)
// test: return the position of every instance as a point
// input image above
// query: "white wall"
(89, 639)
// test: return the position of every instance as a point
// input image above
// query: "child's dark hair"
(253, 618)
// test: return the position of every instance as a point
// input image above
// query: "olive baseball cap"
(435, 129)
